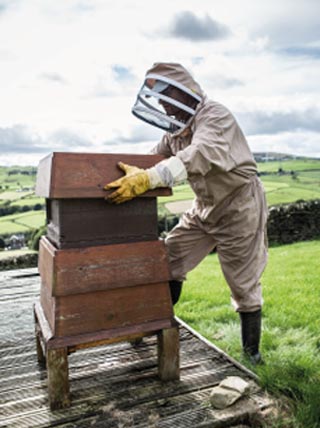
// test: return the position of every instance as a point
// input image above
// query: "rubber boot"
(175, 289)
(250, 334)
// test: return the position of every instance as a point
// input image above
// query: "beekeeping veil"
(148, 105)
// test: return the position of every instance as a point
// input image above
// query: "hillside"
(286, 178)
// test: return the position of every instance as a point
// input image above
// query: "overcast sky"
(70, 71)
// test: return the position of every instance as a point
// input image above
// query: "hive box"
(106, 287)
(77, 213)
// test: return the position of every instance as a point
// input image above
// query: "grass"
(291, 326)
(19, 223)
(14, 177)
(279, 188)
(13, 195)
(290, 165)
(30, 200)
(14, 253)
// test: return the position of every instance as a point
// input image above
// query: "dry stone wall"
(295, 222)
(287, 223)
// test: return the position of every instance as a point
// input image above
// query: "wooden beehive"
(102, 266)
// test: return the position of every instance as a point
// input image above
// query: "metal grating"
(111, 386)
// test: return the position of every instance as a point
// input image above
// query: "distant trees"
(7, 209)
(32, 171)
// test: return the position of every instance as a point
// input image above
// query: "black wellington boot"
(250, 333)
(175, 289)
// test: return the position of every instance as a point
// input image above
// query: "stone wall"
(19, 262)
(295, 222)
(287, 223)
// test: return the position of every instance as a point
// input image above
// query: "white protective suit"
(229, 212)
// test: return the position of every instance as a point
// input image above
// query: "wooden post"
(58, 381)
(168, 354)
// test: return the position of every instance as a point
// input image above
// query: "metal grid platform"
(115, 385)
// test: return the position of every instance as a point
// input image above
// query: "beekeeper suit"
(204, 144)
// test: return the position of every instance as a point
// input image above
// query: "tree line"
(16, 209)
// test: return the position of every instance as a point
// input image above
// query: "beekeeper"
(204, 144)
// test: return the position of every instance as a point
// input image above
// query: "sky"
(70, 71)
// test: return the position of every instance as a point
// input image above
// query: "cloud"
(120, 72)
(263, 122)
(295, 143)
(83, 6)
(301, 51)
(223, 82)
(9, 5)
(19, 139)
(186, 25)
(5, 5)
(138, 134)
(64, 138)
(53, 77)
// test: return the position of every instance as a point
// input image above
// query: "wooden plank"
(46, 266)
(106, 337)
(46, 260)
(85, 270)
(45, 329)
(116, 308)
(39, 342)
(48, 305)
(83, 175)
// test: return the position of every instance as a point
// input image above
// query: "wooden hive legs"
(56, 362)
(168, 354)
(58, 378)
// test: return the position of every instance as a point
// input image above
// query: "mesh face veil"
(153, 103)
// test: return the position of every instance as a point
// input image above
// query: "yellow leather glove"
(134, 183)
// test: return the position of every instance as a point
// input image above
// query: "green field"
(11, 195)
(30, 200)
(291, 326)
(14, 253)
(17, 190)
(279, 188)
(17, 177)
(290, 165)
(19, 223)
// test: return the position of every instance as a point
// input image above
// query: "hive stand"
(104, 273)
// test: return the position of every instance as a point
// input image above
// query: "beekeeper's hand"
(135, 182)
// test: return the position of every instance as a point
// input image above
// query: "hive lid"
(83, 175)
